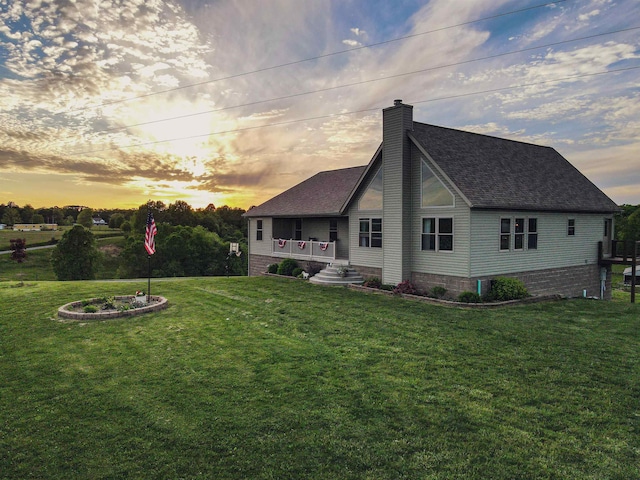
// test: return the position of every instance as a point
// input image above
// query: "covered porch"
(311, 250)
(322, 239)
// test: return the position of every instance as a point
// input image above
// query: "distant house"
(97, 221)
(444, 207)
(34, 227)
(3, 226)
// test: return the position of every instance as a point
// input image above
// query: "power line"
(333, 115)
(318, 57)
(361, 82)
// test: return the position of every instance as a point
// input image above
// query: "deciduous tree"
(76, 256)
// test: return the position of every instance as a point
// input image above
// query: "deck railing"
(304, 250)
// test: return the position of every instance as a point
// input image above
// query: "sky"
(111, 103)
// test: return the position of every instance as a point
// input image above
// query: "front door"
(606, 239)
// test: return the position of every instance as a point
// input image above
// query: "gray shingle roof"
(496, 173)
(321, 195)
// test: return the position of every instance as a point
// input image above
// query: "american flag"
(150, 235)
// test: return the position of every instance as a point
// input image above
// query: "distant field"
(266, 378)
(37, 265)
(42, 238)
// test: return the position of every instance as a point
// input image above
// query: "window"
(333, 229)
(505, 233)
(370, 233)
(532, 237)
(259, 230)
(372, 197)
(524, 233)
(518, 237)
(297, 234)
(437, 234)
(434, 192)
(571, 227)
(376, 232)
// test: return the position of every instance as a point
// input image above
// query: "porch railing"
(304, 250)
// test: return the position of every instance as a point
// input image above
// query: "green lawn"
(37, 265)
(266, 378)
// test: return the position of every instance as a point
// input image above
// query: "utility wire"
(361, 82)
(318, 57)
(333, 115)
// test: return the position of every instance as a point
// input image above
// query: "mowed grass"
(266, 378)
(47, 236)
(37, 264)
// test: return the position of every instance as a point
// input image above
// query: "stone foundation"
(368, 272)
(566, 281)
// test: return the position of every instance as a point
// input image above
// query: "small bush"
(273, 268)
(297, 272)
(406, 287)
(90, 309)
(287, 266)
(469, 297)
(388, 287)
(372, 282)
(438, 291)
(505, 288)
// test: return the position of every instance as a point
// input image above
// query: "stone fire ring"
(156, 304)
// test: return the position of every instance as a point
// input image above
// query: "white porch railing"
(304, 250)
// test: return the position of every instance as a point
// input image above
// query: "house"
(35, 227)
(97, 221)
(444, 207)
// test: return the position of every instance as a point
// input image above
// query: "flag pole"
(149, 281)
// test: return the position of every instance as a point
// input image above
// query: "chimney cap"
(397, 102)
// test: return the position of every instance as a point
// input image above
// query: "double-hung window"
(518, 234)
(523, 231)
(505, 233)
(437, 234)
(258, 230)
(571, 227)
(532, 234)
(370, 232)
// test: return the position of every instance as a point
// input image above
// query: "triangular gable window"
(434, 192)
(372, 198)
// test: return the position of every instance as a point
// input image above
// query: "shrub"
(297, 272)
(273, 268)
(372, 282)
(469, 297)
(287, 266)
(505, 288)
(388, 287)
(406, 287)
(438, 291)
(90, 309)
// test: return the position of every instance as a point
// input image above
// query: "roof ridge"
(484, 135)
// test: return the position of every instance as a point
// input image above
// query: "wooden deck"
(622, 253)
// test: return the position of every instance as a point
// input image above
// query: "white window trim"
(261, 229)
(512, 234)
(437, 233)
(370, 232)
(453, 203)
(575, 227)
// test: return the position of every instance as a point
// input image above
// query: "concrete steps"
(338, 275)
